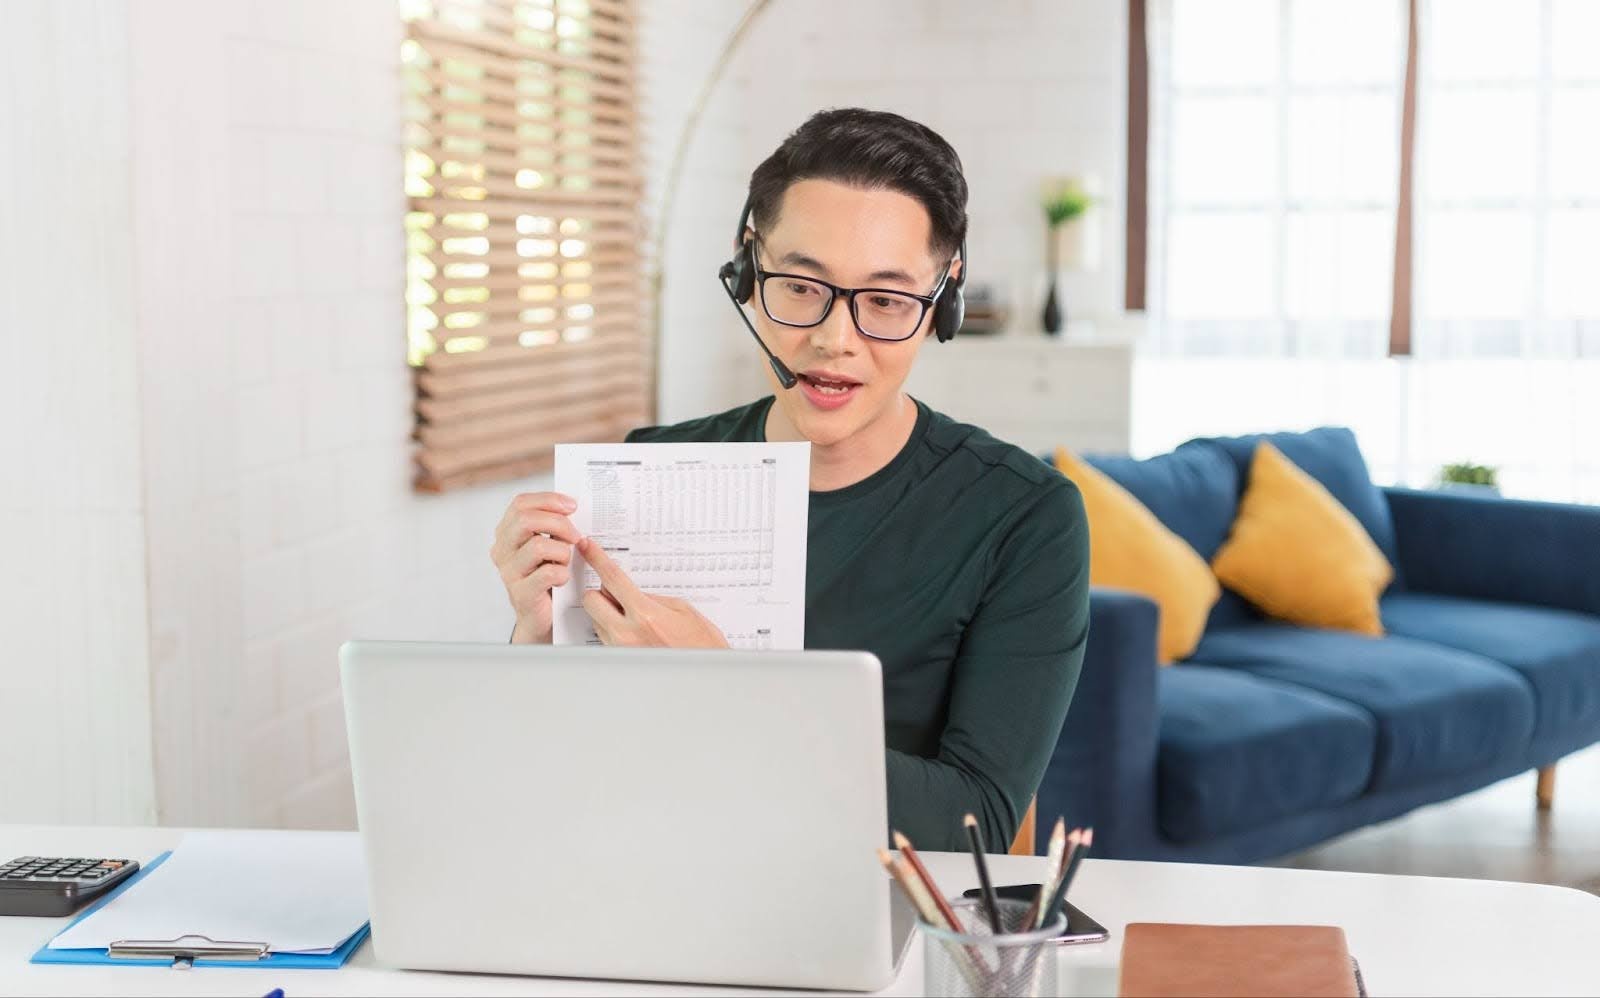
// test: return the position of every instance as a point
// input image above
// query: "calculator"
(47, 886)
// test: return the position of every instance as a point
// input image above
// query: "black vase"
(1053, 313)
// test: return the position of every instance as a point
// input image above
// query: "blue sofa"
(1270, 737)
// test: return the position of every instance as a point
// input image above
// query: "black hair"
(872, 150)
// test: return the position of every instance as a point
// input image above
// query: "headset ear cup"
(952, 308)
(743, 274)
(744, 280)
(948, 314)
(958, 314)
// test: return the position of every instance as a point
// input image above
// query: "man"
(960, 561)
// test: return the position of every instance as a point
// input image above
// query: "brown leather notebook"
(1224, 961)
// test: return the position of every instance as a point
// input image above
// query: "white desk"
(1412, 935)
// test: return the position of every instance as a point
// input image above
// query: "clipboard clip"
(185, 950)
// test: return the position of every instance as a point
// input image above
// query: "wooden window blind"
(524, 290)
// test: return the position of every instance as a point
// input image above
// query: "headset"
(738, 279)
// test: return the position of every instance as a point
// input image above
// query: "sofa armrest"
(1485, 547)
(1103, 771)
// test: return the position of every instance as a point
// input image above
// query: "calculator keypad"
(59, 870)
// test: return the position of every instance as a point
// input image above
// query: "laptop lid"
(654, 814)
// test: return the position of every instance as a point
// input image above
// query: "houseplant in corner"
(1063, 202)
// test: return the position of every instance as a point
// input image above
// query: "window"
(523, 286)
(1274, 151)
(1274, 167)
(1508, 213)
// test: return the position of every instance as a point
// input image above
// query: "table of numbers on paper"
(722, 525)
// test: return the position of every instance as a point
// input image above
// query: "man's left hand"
(626, 615)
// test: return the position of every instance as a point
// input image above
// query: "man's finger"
(544, 522)
(507, 531)
(518, 526)
(555, 502)
(612, 577)
(538, 551)
(548, 576)
(600, 608)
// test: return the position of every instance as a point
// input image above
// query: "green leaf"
(1065, 203)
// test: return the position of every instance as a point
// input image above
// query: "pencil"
(1055, 857)
(1047, 913)
(914, 890)
(904, 845)
(1069, 874)
(968, 963)
(990, 903)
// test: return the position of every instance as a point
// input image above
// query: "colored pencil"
(1055, 858)
(904, 845)
(1084, 841)
(915, 891)
(991, 903)
(968, 964)
(1058, 889)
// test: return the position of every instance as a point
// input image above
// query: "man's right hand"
(533, 551)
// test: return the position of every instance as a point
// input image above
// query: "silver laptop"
(647, 814)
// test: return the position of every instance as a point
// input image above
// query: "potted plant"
(1465, 477)
(1063, 202)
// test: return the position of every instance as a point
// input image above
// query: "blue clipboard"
(278, 961)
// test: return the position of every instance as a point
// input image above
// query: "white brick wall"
(708, 362)
(318, 538)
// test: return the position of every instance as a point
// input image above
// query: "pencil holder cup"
(975, 961)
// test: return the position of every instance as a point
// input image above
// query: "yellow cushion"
(1130, 549)
(1298, 554)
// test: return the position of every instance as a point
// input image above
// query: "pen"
(274, 993)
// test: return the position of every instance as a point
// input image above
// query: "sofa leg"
(1546, 790)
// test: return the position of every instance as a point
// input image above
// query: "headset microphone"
(727, 277)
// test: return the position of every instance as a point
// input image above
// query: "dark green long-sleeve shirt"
(963, 565)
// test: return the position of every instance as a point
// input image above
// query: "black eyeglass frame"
(835, 292)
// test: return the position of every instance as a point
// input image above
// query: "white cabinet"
(1035, 391)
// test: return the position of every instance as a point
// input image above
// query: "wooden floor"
(1494, 834)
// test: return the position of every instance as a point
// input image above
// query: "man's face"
(852, 238)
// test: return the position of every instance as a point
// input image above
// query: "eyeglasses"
(879, 313)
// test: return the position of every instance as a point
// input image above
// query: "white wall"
(708, 361)
(74, 695)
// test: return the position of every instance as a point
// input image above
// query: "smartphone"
(1080, 927)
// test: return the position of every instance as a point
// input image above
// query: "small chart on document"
(721, 525)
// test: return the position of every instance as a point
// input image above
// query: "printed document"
(719, 525)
